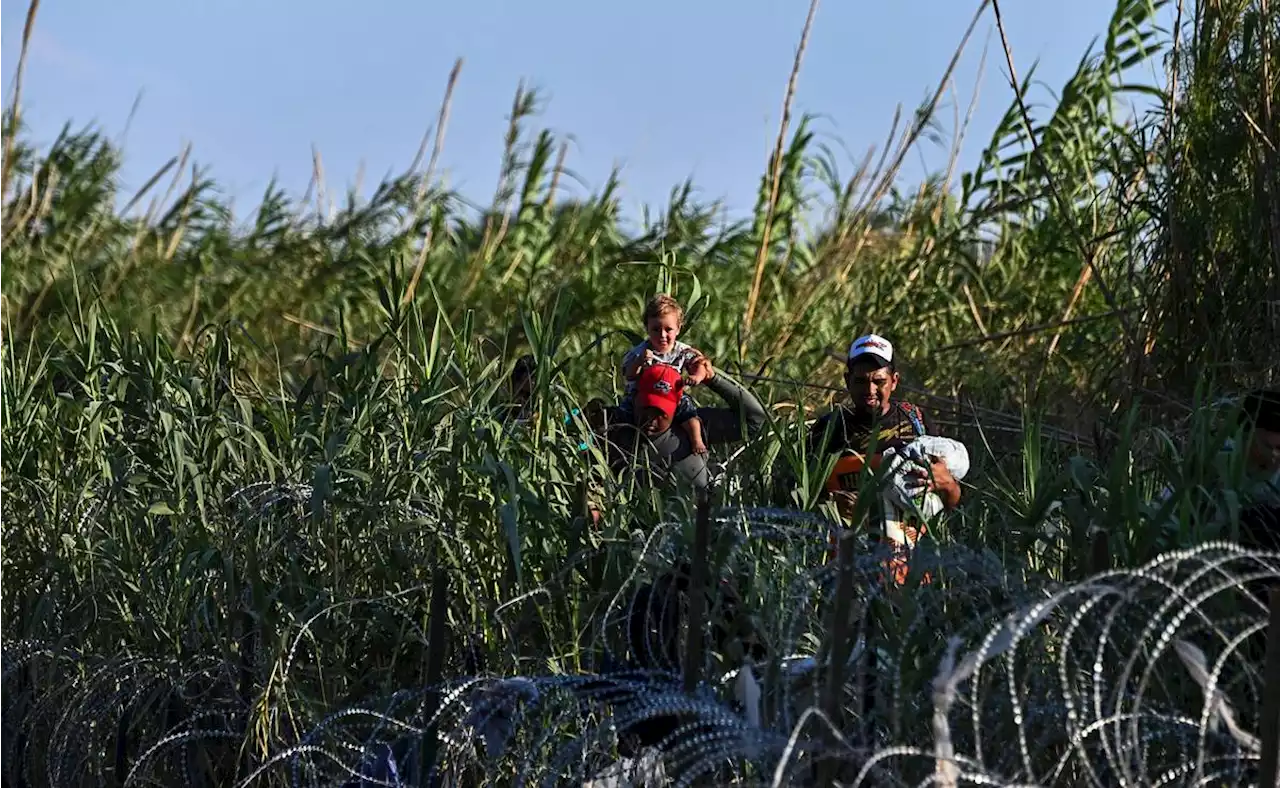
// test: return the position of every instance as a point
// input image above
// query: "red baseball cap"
(659, 386)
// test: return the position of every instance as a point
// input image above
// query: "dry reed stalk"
(1027, 331)
(359, 184)
(518, 258)
(1084, 277)
(878, 186)
(317, 172)
(963, 129)
(39, 203)
(506, 179)
(128, 121)
(1150, 315)
(556, 174)
(441, 124)
(1085, 250)
(973, 308)
(887, 174)
(776, 177)
(1149, 344)
(926, 114)
(151, 182)
(180, 230)
(185, 340)
(178, 165)
(490, 240)
(17, 99)
(298, 321)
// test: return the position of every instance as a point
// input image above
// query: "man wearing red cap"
(658, 393)
(657, 396)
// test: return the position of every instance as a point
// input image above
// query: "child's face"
(663, 331)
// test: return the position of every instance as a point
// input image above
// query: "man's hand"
(846, 501)
(699, 370)
(938, 480)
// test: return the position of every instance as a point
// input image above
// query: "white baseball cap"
(872, 345)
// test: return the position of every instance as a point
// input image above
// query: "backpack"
(913, 415)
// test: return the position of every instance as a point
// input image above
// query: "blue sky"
(668, 89)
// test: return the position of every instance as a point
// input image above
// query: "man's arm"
(725, 425)
(944, 485)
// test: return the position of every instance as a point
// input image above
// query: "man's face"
(870, 386)
(597, 414)
(1264, 451)
(652, 420)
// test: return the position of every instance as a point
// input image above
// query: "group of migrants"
(658, 428)
(657, 425)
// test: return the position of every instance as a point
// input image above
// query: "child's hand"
(633, 368)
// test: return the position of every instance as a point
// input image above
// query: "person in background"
(663, 319)
(521, 390)
(1260, 419)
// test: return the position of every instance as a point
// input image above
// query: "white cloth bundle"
(907, 493)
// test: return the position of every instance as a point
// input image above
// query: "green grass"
(252, 466)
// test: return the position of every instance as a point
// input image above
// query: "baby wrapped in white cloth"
(906, 492)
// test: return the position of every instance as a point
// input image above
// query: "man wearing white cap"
(871, 377)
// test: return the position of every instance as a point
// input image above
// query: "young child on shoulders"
(663, 318)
